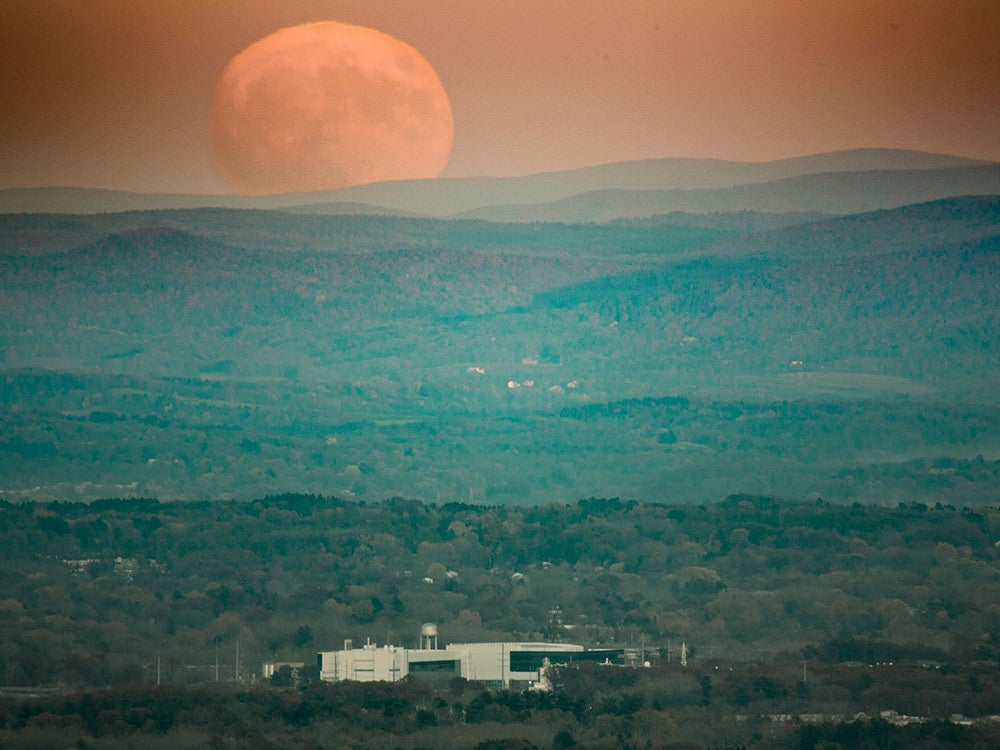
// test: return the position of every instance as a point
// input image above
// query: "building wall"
(481, 662)
(491, 662)
(366, 664)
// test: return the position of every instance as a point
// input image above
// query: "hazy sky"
(115, 93)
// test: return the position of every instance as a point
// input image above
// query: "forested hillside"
(221, 354)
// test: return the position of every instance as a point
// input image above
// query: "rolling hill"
(829, 192)
(215, 353)
(455, 196)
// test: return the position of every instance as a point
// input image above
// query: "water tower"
(428, 637)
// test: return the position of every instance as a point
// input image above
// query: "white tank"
(428, 637)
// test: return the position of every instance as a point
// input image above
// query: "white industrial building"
(504, 664)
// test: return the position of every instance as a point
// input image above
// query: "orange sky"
(115, 93)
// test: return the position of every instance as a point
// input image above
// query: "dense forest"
(219, 354)
(784, 609)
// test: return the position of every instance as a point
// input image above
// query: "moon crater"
(327, 105)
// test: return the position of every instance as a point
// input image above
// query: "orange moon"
(327, 105)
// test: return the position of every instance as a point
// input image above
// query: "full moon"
(327, 105)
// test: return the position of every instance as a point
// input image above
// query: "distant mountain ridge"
(489, 197)
(835, 193)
